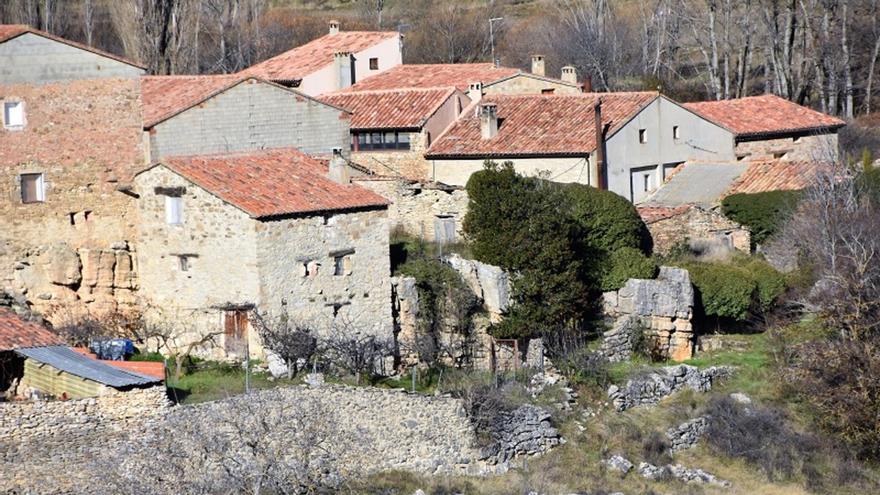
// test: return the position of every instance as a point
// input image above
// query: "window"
(643, 136)
(173, 210)
(389, 140)
(183, 263)
(374, 63)
(547, 91)
(13, 114)
(647, 182)
(675, 132)
(342, 262)
(32, 188)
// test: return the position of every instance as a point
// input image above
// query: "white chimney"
(569, 74)
(334, 27)
(538, 65)
(343, 69)
(488, 120)
(339, 168)
(475, 91)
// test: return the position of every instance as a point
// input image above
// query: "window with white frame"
(33, 188)
(13, 114)
(173, 210)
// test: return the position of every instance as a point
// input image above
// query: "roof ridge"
(390, 90)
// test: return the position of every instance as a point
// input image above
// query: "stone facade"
(235, 262)
(85, 138)
(419, 209)
(704, 230)
(659, 309)
(803, 147)
(250, 116)
(407, 164)
(524, 84)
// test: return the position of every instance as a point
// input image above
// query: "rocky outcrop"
(618, 463)
(489, 283)
(663, 382)
(525, 431)
(687, 434)
(658, 311)
(680, 473)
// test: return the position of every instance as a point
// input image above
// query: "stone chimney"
(342, 67)
(475, 91)
(538, 65)
(569, 74)
(339, 168)
(597, 175)
(334, 27)
(488, 120)
(588, 84)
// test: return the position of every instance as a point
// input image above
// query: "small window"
(643, 136)
(647, 182)
(339, 265)
(173, 210)
(183, 263)
(548, 91)
(374, 63)
(13, 114)
(675, 132)
(32, 188)
(342, 262)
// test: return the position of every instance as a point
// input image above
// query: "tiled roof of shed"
(16, 332)
(655, 213)
(390, 109)
(166, 96)
(272, 183)
(433, 76)
(775, 176)
(561, 125)
(298, 62)
(9, 31)
(763, 115)
(66, 359)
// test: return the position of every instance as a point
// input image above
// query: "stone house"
(71, 134)
(275, 230)
(332, 62)
(701, 229)
(191, 115)
(391, 129)
(624, 142)
(768, 127)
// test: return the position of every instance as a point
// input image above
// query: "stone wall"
(489, 283)
(809, 147)
(704, 230)
(404, 164)
(86, 138)
(659, 309)
(653, 387)
(523, 84)
(417, 206)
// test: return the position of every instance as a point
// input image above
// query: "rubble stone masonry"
(818, 147)
(85, 138)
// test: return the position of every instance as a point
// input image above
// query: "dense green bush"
(608, 220)
(736, 289)
(626, 263)
(763, 213)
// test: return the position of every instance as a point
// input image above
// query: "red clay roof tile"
(775, 176)
(433, 76)
(560, 125)
(651, 214)
(390, 109)
(17, 333)
(272, 183)
(166, 96)
(297, 63)
(9, 31)
(766, 114)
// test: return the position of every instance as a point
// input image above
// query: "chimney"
(343, 68)
(597, 170)
(569, 74)
(334, 27)
(538, 65)
(488, 120)
(339, 168)
(475, 91)
(588, 84)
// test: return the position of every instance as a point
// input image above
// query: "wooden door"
(235, 334)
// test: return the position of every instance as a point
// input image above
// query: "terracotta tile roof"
(166, 96)
(763, 115)
(433, 76)
(272, 183)
(651, 214)
(775, 176)
(9, 31)
(295, 64)
(390, 109)
(17, 333)
(153, 369)
(560, 125)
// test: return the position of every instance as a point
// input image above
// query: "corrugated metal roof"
(70, 361)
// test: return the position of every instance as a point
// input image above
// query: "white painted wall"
(457, 172)
(389, 52)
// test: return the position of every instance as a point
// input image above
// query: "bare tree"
(157, 33)
(291, 341)
(178, 333)
(355, 352)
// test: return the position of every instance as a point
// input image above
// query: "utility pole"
(492, 37)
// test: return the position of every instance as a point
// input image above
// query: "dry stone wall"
(704, 230)
(663, 382)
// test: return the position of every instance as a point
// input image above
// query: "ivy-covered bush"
(626, 263)
(763, 213)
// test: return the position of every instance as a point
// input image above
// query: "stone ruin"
(659, 311)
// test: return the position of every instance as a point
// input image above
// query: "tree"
(356, 352)
(291, 341)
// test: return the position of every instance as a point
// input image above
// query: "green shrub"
(608, 220)
(626, 263)
(763, 213)
(736, 289)
(770, 284)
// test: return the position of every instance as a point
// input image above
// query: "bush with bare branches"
(355, 353)
(292, 341)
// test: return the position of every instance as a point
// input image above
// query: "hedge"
(737, 289)
(763, 213)
(624, 264)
